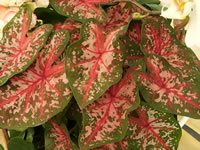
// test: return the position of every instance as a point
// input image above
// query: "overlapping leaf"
(151, 130)
(159, 38)
(94, 63)
(72, 26)
(105, 120)
(39, 93)
(69, 24)
(131, 41)
(17, 50)
(80, 9)
(118, 15)
(166, 89)
(57, 137)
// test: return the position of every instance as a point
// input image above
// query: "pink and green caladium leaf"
(164, 88)
(105, 120)
(68, 24)
(94, 63)
(118, 15)
(80, 9)
(151, 129)
(159, 38)
(31, 98)
(57, 137)
(72, 26)
(131, 41)
(17, 50)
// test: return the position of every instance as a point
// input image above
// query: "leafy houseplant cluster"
(96, 75)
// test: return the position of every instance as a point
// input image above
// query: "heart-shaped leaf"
(105, 120)
(39, 93)
(17, 50)
(80, 9)
(57, 137)
(165, 88)
(159, 38)
(94, 63)
(151, 130)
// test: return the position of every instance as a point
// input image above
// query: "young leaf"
(105, 120)
(57, 137)
(159, 38)
(39, 93)
(80, 9)
(17, 50)
(94, 63)
(151, 130)
(164, 88)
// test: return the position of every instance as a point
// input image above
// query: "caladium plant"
(105, 120)
(110, 75)
(17, 50)
(57, 137)
(151, 129)
(81, 9)
(96, 60)
(40, 92)
(165, 88)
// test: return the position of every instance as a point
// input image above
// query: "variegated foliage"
(92, 69)
(118, 16)
(94, 63)
(105, 120)
(80, 9)
(69, 24)
(131, 41)
(151, 129)
(57, 137)
(17, 49)
(72, 26)
(40, 92)
(165, 88)
(148, 129)
(159, 38)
